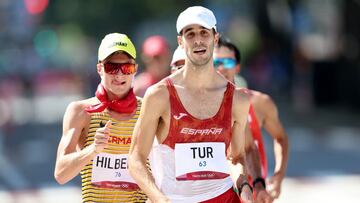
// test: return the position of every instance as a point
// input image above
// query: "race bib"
(200, 161)
(111, 171)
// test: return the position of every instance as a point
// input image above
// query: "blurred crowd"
(302, 52)
(305, 52)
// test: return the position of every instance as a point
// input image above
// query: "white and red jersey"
(190, 165)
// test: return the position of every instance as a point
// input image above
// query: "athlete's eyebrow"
(188, 30)
(191, 28)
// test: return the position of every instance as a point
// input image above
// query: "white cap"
(179, 54)
(196, 15)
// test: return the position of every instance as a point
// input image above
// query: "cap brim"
(195, 22)
(112, 50)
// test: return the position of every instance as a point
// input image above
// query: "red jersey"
(256, 133)
(190, 165)
(184, 128)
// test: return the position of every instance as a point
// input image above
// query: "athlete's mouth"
(199, 51)
(120, 82)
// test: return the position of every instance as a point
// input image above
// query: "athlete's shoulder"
(261, 99)
(80, 105)
(158, 88)
(241, 93)
(157, 93)
(259, 95)
(76, 110)
(241, 101)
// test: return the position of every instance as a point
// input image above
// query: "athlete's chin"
(120, 89)
(201, 61)
(202, 56)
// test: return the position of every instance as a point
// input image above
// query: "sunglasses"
(227, 63)
(125, 68)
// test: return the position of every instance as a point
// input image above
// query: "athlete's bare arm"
(275, 129)
(253, 165)
(155, 105)
(251, 157)
(238, 142)
(239, 114)
(70, 157)
(253, 168)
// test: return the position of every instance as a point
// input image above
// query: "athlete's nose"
(119, 74)
(197, 40)
(221, 68)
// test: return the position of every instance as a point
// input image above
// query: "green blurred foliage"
(97, 17)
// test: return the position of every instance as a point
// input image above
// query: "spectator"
(156, 58)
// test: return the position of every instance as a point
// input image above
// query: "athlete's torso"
(187, 127)
(105, 178)
(182, 164)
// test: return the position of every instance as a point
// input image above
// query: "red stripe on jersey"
(256, 133)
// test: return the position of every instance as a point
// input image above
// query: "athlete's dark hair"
(225, 42)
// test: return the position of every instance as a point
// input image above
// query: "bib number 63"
(202, 163)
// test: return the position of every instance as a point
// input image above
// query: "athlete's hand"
(101, 137)
(263, 196)
(274, 185)
(246, 195)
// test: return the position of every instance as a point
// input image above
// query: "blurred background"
(303, 53)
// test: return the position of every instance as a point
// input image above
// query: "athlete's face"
(117, 84)
(222, 54)
(198, 43)
(177, 65)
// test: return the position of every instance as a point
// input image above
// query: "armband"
(259, 180)
(244, 184)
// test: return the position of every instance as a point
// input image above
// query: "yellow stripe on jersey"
(120, 140)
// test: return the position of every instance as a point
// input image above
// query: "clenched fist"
(101, 137)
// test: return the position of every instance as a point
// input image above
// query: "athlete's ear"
(237, 68)
(99, 67)
(180, 41)
(216, 38)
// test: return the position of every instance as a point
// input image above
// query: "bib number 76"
(117, 174)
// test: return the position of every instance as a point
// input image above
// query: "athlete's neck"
(125, 105)
(113, 96)
(199, 76)
(120, 116)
